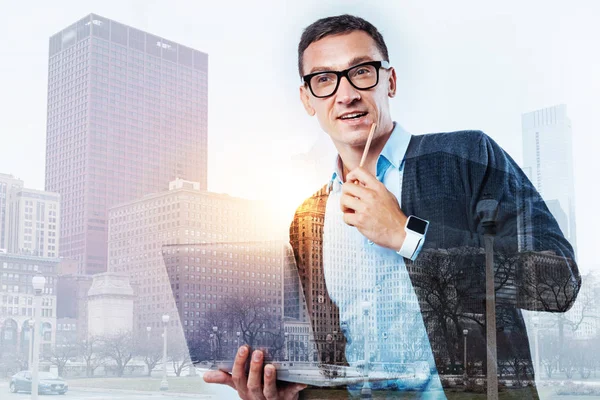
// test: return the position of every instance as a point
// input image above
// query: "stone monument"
(110, 305)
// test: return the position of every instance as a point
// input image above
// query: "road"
(113, 394)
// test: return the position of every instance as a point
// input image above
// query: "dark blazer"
(445, 176)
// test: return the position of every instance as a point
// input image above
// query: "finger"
(270, 390)
(350, 219)
(238, 372)
(350, 204)
(219, 377)
(291, 390)
(355, 190)
(255, 386)
(363, 176)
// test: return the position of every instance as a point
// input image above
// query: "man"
(387, 247)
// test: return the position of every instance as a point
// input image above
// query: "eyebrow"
(353, 62)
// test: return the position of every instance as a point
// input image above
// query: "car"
(48, 383)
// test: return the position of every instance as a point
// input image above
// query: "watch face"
(417, 225)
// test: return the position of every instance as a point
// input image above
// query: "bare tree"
(275, 340)
(150, 350)
(549, 354)
(199, 349)
(179, 355)
(120, 349)
(250, 316)
(91, 352)
(60, 355)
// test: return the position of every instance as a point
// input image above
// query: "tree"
(60, 355)
(276, 342)
(199, 349)
(179, 355)
(549, 353)
(91, 352)
(119, 348)
(150, 350)
(250, 316)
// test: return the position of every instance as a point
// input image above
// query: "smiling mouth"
(353, 116)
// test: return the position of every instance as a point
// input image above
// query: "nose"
(346, 93)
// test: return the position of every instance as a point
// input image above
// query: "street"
(113, 394)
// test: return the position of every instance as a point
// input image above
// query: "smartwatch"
(415, 229)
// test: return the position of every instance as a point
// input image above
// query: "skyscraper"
(29, 219)
(9, 186)
(548, 162)
(127, 113)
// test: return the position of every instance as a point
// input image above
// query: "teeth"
(352, 115)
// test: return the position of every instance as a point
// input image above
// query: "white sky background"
(461, 65)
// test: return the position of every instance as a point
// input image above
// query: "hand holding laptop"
(250, 386)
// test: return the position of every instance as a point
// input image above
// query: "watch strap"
(412, 243)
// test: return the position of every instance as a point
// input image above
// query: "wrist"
(415, 229)
(398, 239)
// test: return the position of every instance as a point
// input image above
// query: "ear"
(305, 98)
(392, 83)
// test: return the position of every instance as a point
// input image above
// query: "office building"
(548, 162)
(141, 230)
(30, 219)
(127, 113)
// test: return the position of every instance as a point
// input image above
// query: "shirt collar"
(392, 155)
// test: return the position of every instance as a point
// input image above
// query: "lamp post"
(536, 326)
(287, 351)
(465, 333)
(365, 392)
(212, 346)
(164, 385)
(31, 325)
(487, 210)
(335, 347)
(238, 333)
(38, 282)
(215, 330)
(148, 329)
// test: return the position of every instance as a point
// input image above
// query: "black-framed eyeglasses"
(362, 76)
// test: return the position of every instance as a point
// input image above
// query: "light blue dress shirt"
(365, 278)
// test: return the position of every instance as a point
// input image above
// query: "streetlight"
(215, 330)
(148, 329)
(465, 333)
(287, 344)
(487, 210)
(38, 282)
(238, 333)
(335, 347)
(31, 325)
(212, 347)
(536, 327)
(164, 385)
(365, 392)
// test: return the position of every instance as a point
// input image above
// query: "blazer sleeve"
(530, 248)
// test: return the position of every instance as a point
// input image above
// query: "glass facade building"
(127, 113)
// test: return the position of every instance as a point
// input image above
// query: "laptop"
(230, 294)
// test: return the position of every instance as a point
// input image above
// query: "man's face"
(337, 53)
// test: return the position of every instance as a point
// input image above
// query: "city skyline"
(130, 179)
(440, 68)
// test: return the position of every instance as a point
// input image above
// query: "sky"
(460, 65)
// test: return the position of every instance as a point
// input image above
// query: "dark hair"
(337, 25)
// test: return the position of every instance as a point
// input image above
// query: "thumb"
(297, 388)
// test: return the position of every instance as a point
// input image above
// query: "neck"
(352, 155)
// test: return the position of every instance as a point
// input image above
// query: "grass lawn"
(195, 385)
(182, 384)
